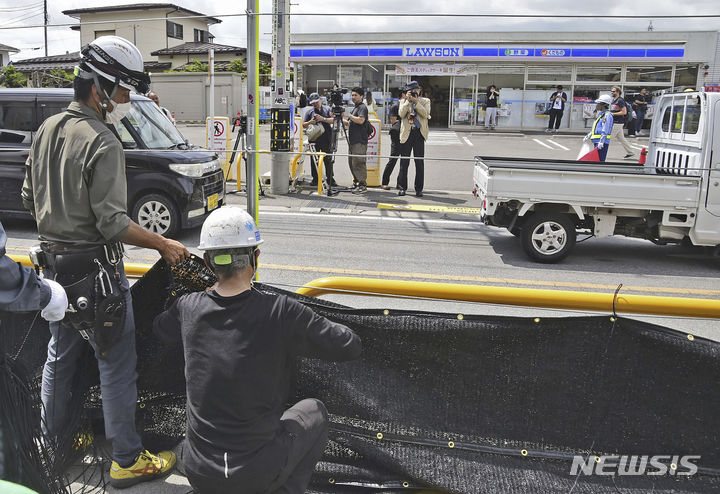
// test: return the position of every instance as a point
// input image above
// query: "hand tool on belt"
(94, 306)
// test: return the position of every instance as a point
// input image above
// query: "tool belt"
(94, 305)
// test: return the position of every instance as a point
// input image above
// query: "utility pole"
(253, 69)
(210, 123)
(280, 117)
(45, 21)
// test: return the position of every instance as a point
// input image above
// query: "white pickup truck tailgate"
(580, 184)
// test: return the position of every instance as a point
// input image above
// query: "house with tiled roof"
(5, 52)
(181, 55)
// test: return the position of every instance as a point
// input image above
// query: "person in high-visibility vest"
(602, 127)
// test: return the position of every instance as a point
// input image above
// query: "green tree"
(9, 77)
(56, 78)
(195, 66)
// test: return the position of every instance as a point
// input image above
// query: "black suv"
(171, 184)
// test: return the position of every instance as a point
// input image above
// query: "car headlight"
(195, 170)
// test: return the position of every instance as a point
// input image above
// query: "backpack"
(630, 112)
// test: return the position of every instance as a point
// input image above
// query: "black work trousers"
(555, 118)
(327, 163)
(415, 144)
(293, 454)
(394, 153)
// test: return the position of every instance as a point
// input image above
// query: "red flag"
(591, 156)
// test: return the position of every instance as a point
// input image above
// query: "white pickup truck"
(673, 197)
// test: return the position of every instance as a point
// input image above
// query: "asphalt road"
(308, 237)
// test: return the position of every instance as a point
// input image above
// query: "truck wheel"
(156, 213)
(548, 237)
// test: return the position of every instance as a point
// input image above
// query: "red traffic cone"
(643, 156)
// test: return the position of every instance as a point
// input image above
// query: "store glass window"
(561, 73)
(686, 75)
(599, 73)
(319, 78)
(510, 80)
(656, 74)
(394, 83)
(463, 112)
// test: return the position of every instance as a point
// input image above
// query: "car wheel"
(548, 237)
(156, 213)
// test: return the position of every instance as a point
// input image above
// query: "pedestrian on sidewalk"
(358, 134)
(319, 114)
(618, 109)
(641, 103)
(394, 140)
(414, 114)
(491, 107)
(557, 107)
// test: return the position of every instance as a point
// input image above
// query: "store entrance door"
(437, 89)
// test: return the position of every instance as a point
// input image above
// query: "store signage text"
(432, 51)
(516, 52)
(552, 53)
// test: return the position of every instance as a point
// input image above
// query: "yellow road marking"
(428, 208)
(481, 279)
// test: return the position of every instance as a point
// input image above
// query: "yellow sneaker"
(146, 467)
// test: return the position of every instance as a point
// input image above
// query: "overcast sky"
(232, 30)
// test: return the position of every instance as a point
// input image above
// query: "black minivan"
(171, 184)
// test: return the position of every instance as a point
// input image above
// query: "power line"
(20, 9)
(393, 15)
(22, 17)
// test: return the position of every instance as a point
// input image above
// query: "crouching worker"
(239, 347)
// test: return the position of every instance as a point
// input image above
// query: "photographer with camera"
(414, 113)
(359, 130)
(320, 114)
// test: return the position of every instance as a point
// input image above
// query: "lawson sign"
(432, 51)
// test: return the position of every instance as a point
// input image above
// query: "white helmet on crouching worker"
(226, 229)
(116, 60)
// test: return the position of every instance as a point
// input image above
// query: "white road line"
(558, 145)
(371, 218)
(543, 144)
(467, 141)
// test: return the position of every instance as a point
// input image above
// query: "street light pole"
(280, 119)
(253, 56)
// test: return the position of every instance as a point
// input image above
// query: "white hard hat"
(229, 228)
(605, 98)
(117, 60)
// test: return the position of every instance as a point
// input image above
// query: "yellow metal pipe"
(529, 297)
(524, 297)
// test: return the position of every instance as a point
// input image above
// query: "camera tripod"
(241, 123)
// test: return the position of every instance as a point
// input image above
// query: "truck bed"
(588, 184)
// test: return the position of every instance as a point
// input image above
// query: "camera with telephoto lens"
(414, 94)
(336, 100)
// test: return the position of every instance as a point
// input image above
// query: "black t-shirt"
(358, 133)
(492, 99)
(324, 111)
(617, 105)
(239, 354)
(641, 98)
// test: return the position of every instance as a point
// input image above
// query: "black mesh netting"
(469, 404)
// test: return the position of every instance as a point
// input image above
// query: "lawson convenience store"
(455, 69)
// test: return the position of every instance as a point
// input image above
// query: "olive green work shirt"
(75, 184)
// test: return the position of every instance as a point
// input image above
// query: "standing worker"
(240, 346)
(618, 108)
(394, 139)
(602, 127)
(75, 187)
(414, 115)
(557, 107)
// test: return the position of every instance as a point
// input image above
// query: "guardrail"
(611, 303)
